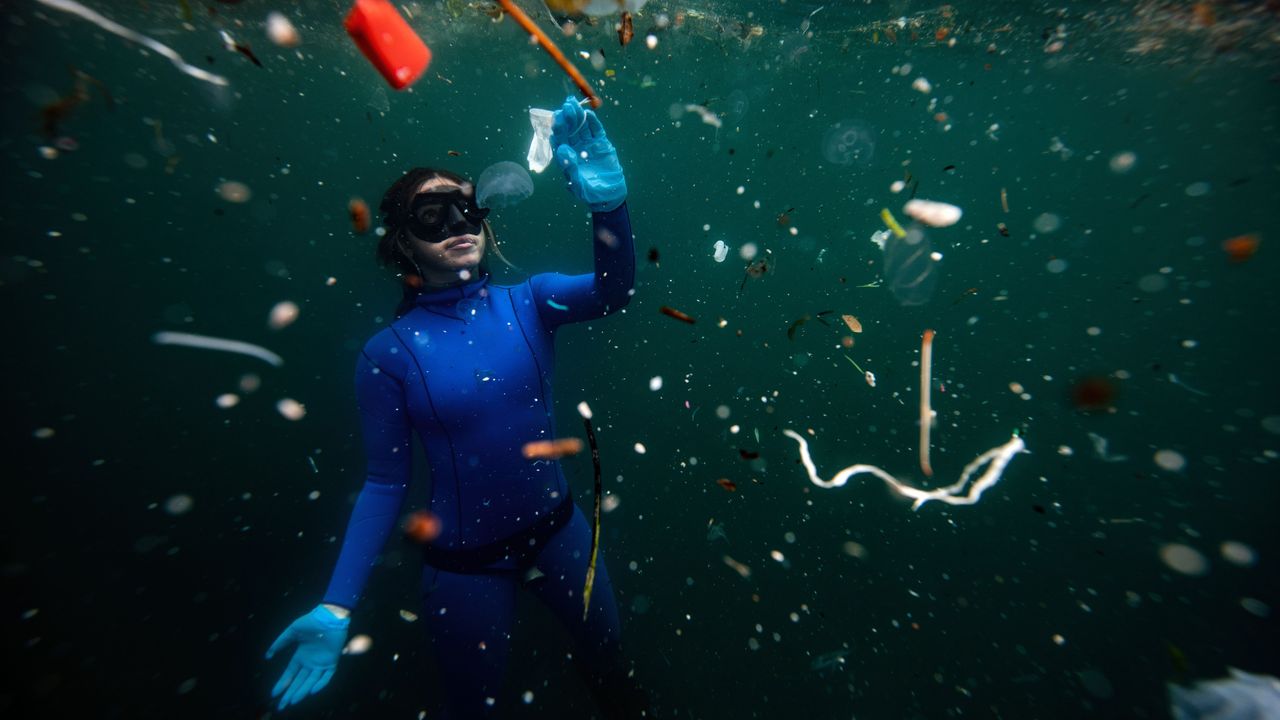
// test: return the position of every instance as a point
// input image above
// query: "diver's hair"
(393, 248)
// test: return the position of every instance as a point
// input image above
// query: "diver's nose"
(456, 219)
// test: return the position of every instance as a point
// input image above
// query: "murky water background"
(156, 543)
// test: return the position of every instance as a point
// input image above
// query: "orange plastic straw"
(518, 15)
(926, 411)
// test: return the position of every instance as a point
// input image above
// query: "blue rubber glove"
(320, 636)
(589, 160)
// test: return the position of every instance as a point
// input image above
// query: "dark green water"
(117, 608)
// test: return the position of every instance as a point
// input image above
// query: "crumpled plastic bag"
(540, 154)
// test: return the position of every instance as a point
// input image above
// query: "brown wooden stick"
(543, 40)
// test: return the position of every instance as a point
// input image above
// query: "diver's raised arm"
(594, 175)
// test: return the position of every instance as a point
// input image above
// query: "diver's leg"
(470, 619)
(598, 653)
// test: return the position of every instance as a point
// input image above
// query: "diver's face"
(445, 261)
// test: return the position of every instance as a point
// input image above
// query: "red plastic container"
(387, 40)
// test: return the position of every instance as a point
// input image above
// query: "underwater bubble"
(849, 142)
(502, 185)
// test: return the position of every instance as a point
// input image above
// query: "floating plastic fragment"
(283, 314)
(721, 250)
(361, 218)
(115, 28)
(389, 43)
(540, 153)
(281, 31)
(291, 409)
(234, 191)
(358, 645)
(551, 449)
(933, 213)
(212, 343)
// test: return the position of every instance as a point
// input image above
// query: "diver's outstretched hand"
(320, 636)
(588, 159)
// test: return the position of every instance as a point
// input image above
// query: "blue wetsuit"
(469, 369)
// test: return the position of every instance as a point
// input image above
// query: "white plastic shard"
(994, 459)
(115, 28)
(205, 342)
(933, 213)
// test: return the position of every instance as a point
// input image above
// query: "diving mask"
(436, 216)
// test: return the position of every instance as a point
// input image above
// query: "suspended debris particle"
(625, 29)
(234, 191)
(1170, 460)
(673, 313)
(179, 504)
(422, 526)
(281, 31)
(358, 645)
(1237, 553)
(283, 314)
(727, 484)
(551, 449)
(1184, 559)
(212, 343)
(361, 218)
(227, 400)
(1241, 247)
(291, 409)
(852, 322)
(742, 570)
(933, 213)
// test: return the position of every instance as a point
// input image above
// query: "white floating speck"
(358, 645)
(291, 409)
(282, 315)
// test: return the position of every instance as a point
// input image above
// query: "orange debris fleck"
(552, 449)
(1241, 247)
(422, 526)
(361, 219)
